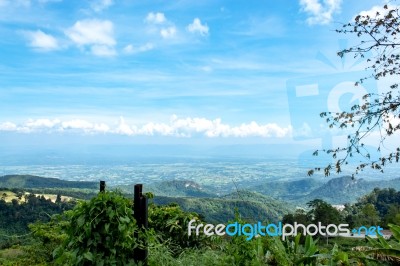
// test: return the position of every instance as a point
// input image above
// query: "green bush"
(101, 232)
(171, 225)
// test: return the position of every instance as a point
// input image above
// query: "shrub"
(101, 231)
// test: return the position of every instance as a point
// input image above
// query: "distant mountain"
(175, 188)
(251, 207)
(339, 190)
(287, 190)
(346, 189)
(269, 200)
(30, 181)
(180, 188)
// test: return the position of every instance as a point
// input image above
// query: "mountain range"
(268, 201)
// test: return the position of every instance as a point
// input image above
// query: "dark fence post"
(140, 215)
(102, 186)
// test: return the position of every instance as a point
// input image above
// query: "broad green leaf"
(88, 255)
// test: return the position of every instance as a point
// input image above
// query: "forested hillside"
(30, 181)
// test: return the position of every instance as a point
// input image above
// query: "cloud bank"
(176, 127)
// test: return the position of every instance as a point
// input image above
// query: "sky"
(174, 71)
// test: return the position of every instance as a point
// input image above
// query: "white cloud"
(176, 127)
(376, 9)
(169, 32)
(83, 125)
(156, 18)
(92, 31)
(8, 126)
(197, 27)
(123, 128)
(76, 124)
(188, 127)
(42, 41)
(159, 23)
(103, 50)
(41, 123)
(97, 34)
(130, 49)
(320, 11)
(100, 5)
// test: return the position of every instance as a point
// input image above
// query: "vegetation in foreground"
(102, 232)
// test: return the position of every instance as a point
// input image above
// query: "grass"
(11, 253)
(8, 196)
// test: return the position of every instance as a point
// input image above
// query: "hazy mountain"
(268, 200)
(30, 181)
(174, 188)
(335, 191)
(287, 190)
(346, 189)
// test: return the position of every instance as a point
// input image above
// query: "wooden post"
(141, 216)
(102, 186)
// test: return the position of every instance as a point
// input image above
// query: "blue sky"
(168, 70)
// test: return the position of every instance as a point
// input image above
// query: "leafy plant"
(48, 237)
(101, 232)
(171, 224)
(383, 250)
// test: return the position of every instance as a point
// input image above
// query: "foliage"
(378, 35)
(46, 238)
(320, 211)
(161, 255)
(16, 215)
(381, 206)
(250, 205)
(323, 212)
(171, 223)
(384, 251)
(101, 231)
(30, 181)
(241, 251)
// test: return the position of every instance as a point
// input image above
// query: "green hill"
(251, 207)
(338, 190)
(31, 182)
(287, 190)
(179, 188)
(347, 190)
(173, 188)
